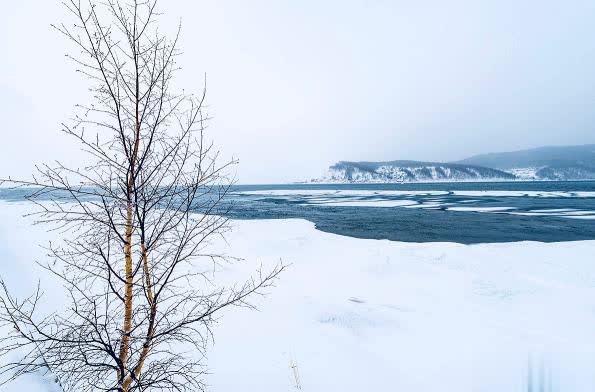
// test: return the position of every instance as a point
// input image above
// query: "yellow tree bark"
(151, 328)
(125, 343)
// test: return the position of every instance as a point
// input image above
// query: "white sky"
(296, 85)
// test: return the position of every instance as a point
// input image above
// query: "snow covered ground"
(375, 315)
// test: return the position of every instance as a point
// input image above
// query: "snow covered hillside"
(554, 173)
(560, 163)
(407, 171)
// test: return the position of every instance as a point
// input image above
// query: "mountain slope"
(561, 163)
(544, 163)
(409, 171)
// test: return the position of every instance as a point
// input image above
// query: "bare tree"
(135, 222)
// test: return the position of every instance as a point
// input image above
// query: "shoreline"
(360, 314)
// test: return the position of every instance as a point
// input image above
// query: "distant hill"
(408, 171)
(544, 163)
(542, 156)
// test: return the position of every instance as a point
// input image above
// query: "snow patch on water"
(480, 209)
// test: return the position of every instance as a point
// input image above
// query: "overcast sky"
(296, 85)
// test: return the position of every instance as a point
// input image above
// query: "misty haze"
(365, 195)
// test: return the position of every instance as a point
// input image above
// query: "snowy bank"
(375, 315)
